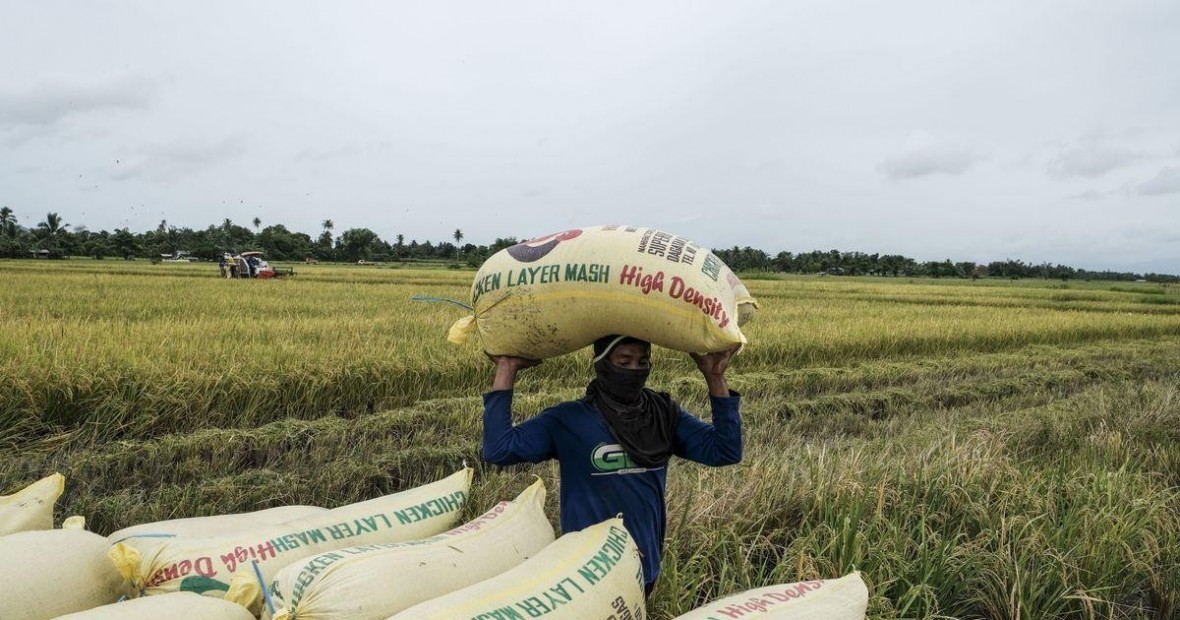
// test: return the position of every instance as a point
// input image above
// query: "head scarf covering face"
(641, 420)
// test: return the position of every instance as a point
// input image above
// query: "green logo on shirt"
(611, 458)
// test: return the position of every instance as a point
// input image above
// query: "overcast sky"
(1038, 130)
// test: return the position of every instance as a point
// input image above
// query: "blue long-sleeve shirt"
(598, 479)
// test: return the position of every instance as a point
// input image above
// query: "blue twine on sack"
(441, 300)
(144, 536)
(270, 604)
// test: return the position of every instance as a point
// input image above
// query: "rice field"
(985, 449)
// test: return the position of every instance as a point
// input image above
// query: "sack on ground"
(592, 573)
(31, 508)
(184, 605)
(47, 573)
(556, 294)
(216, 525)
(206, 565)
(355, 582)
(846, 598)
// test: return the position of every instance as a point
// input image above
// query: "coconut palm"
(325, 240)
(51, 229)
(7, 222)
(458, 237)
(257, 223)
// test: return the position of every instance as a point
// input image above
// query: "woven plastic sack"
(846, 598)
(355, 582)
(47, 573)
(184, 605)
(592, 573)
(206, 565)
(215, 525)
(556, 294)
(31, 508)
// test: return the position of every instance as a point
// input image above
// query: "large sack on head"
(376, 581)
(216, 525)
(206, 565)
(31, 508)
(47, 573)
(184, 605)
(558, 293)
(846, 598)
(592, 573)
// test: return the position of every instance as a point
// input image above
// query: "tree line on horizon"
(835, 262)
(53, 238)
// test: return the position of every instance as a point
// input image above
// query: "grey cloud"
(924, 155)
(165, 162)
(1166, 182)
(50, 103)
(1090, 194)
(365, 149)
(1090, 158)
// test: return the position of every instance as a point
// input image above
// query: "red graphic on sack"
(535, 249)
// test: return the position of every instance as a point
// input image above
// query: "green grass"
(976, 449)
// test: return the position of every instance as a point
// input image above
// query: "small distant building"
(39, 253)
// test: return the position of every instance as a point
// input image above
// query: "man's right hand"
(506, 368)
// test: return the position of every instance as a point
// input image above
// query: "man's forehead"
(633, 348)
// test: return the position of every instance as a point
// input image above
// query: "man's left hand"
(713, 367)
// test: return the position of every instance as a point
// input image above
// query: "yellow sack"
(206, 565)
(846, 598)
(31, 508)
(184, 605)
(355, 582)
(592, 573)
(558, 293)
(215, 525)
(47, 573)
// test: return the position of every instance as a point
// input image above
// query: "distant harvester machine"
(252, 265)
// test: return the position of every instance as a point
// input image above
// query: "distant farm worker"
(232, 263)
(613, 445)
(221, 264)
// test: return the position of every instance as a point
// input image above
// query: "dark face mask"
(621, 384)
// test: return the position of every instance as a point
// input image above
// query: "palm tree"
(225, 228)
(458, 237)
(51, 228)
(7, 222)
(326, 236)
(257, 223)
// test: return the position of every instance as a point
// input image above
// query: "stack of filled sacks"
(46, 572)
(407, 565)
(376, 581)
(153, 565)
(77, 574)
